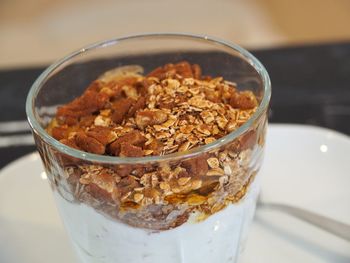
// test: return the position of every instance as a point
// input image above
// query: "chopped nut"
(102, 121)
(150, 117)
(134, 138)
(138, 105)
(104, 180)
(197, 166)
(59, 133)
(129, 150)
(248, 140)
(89, 144)
(102, 134)
(154, 145)
(121, 108)
(244, 100)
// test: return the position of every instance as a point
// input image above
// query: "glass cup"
(203, 218)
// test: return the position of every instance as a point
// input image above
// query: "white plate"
(304, 166)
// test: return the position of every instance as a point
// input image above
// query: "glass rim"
(37, 129)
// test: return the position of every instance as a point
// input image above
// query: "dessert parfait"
(189, 205)
(152, 146)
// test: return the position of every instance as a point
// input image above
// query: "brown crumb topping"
(172, 109)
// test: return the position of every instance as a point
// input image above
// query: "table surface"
(310, 85)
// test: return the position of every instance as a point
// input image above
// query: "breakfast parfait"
(181, 190)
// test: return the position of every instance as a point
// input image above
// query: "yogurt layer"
(218, 238)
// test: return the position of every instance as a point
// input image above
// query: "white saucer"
(304, 166)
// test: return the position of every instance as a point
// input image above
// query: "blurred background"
(37, 32)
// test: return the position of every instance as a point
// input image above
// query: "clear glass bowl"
(203, 220)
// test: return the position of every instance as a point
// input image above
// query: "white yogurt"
(218, 239)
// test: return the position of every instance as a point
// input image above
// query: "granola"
(172, 109)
